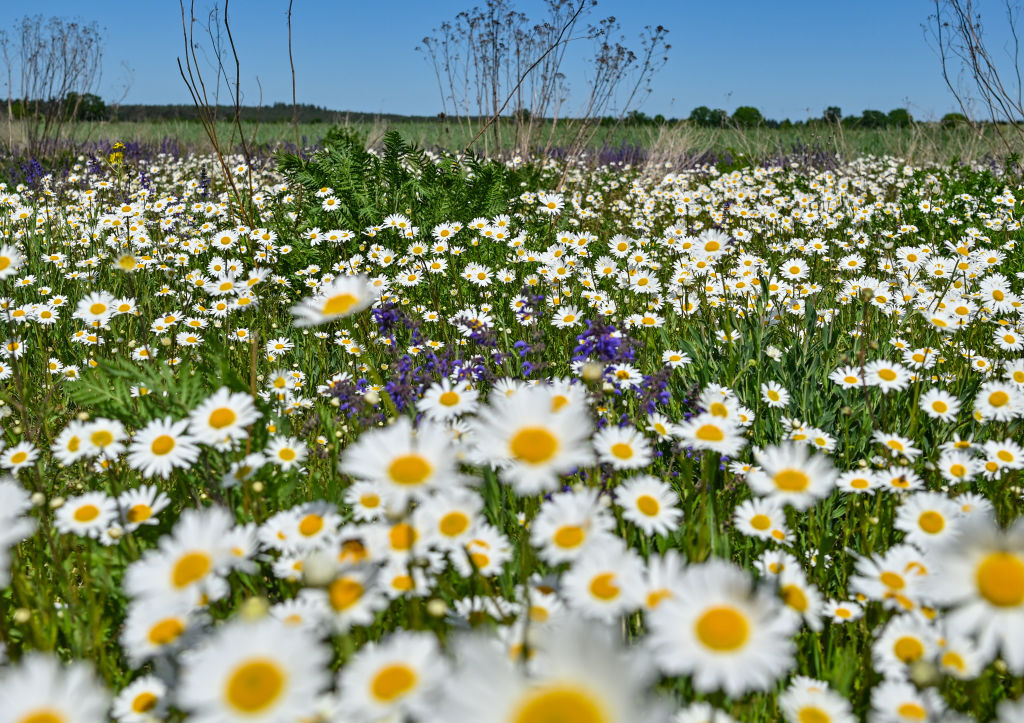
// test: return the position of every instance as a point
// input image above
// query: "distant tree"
(747, 116)
(833, 114)
(900, 117)
(636, 118)
(873, 119)
(701, 115)
(954, 119)
(785, 124)
(659, 119)
(86, 106)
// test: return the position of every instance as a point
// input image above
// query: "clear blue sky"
(789, 58)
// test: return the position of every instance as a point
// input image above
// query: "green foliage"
(704, 116)
(370, 186)
(747, 116)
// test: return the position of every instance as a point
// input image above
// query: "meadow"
(678, 142)
(388, 435)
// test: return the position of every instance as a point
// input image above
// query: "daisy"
(981, 579)
(405, 463)
(445, 400)
(18, 457)
(161, 446)
(223, 417)
(900, 446)
(895, 701)
(846, 377)
(286, 452)
(243, 469)
(254, 670)
(87, 515)
(900, 479)
(958, 466)
(791, 476)
(10, 261)
(345, 296)
(675, 359)
(40, 688)
(530, 443)
(841, 611)
(762, 518)
(661, 426)
(393, 678)
(702, 713)
(579, 672)
(622, 448)
(713, 433)
(650, 504)
(774, 395)
(928, 519)
(353, 598)
(485, 553)
(137, 703)
(858, 481)
(960, 658)
(801, 597)
(905, 640)
(141, 506)
(104, 437)
(568, 524)
(1007, 453)
(897, 578)
(815, 703)
(998, 401)
(449, 517)
(722, 632)
(887, 376)
(190, 562)
(940, 404)
(605, 582)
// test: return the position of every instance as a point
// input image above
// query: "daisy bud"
(257, 487)
(437, 608)
(56, 503)
(591, 372)
(254, 608)
(37, 498)
(83, 416)
(607, 387)
(372, 398)
(22, 615)
(335, 402)
(319, 569)
(924, 674)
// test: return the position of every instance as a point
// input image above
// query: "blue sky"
(789, 58)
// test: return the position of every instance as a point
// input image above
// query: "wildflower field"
(393, 436)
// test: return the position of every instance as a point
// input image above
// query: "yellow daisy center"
(557, 703)
(254, 686)
(534, 445)
(722, 628)
(409, 469)
(392, 682)
(1000, 579)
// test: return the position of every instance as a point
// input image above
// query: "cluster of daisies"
(692, 447)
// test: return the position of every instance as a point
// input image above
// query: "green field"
(919, 143)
